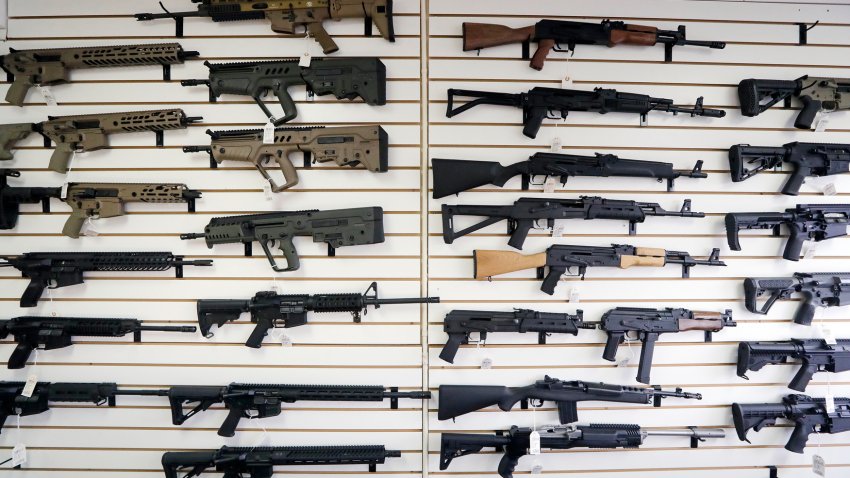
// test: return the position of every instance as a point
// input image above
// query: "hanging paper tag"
(267, 191)
(623, 363)
(29, 387)
(268, 132)
(829, 402)
(811, 248)
(555, 145)
(88, 228)
(821, 124)
(47, 95)
(305, 60)
(828, 335)
(487, 363)
(558, 230)
(19, 455)
(537, 469)
(549, 185)
(534, 443)
(829, 189)
(64, 192)
(574, 295)
(818, 465)
(275, 287)
(567, 81)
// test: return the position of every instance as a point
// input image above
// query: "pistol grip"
(318, 32)
(452, 345)
(544, 46)
(523, 227)
(806, 117)
(33, 292)
(803, 377)
(806, 312)
(612, 344)
(290, 175)
(18, 359)
(60, 158)
(18, 91)
(255, 340)
(74, 224)
(293, 262)
(290, 111)
(552, 279)
(533, 120)
(794, 245)
(798, 177)
(799, 437)
(228, 428)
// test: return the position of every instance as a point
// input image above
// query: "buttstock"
(492, 263)
(485, 35)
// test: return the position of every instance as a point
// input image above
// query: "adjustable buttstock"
(19, 356)
(452, 345)
(218, 312)
(228, 428)
(485, 35)
(803, 377)
(18, 91)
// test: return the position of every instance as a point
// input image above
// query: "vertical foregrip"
(806, 312)
(452, 345)
(612, 344)
(19, 356)
(255, 341)
(646, 353)
(228, 428)
(795, 244)
(803, 377)
(552, 279)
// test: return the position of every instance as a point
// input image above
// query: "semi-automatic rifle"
(62, 269)
(50, 333)
(818, 289)
(551, 34)
(807, 159)
(291, 16)
(345, 78)
(344, 145)
(337, 228)
(816, 355)
(269, 309)
(454, 176)
(818, 95)
(806, 222)
(528, 213)
(561, 259)
(52, 66)
(556, 103)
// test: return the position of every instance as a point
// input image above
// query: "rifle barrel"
(168, 328)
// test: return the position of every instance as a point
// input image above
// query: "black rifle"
(259, 462)
(806, 222)
(551, 34)
(526, 213)
(57, 332)
(266, 400)
(453, 176)
(11, 198)
(62, 269)
(817, 94)
(562, 258)
(816, 355)
(45, 393)
(808, 414)
(819, 289)
(808, 159)
(556, 103)
(345, 78)
(515, 443)
(635, 323)
(459, 324)
(336, 227)
(457, 400)
(271, 310)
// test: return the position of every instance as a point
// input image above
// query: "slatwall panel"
(761, 44)
(385, 349)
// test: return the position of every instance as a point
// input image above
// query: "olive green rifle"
(290, 16)
(48, 67)
(346, 146)
(83, 133)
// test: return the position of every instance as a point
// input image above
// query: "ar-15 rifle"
(259, 461)
(816, 355)
(516, 442)
(453, 176)
(266, 400)
(12, 402)
(562, 258)
(556, 103)
(457, 400)
(646, 325)
(459, 324)
(345, 78)
(62, 269)
(526, 213)
(808, 159)
(819, 289)
(271, 310)
(817, 95)
(52, 333)
(84, 133)
(337, 227)
(290, 16)
(809, 415)
(51, 66)
(344, 145)
(806, 222)
(551, 34)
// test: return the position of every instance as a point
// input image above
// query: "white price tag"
(829, 402)
(820, 125)
(64, 192)
(305, 60)
(19, 455)
(549, 185)
(555, 145)
(268, 132)
(575, 296)
(623, 363)
(278, 335)
(534, 443)
(829, 189)
(811, 249)
(818, 465)
(275, 286)
(267, 191)
(558, 230)
(286, 340)
(88, 228)
(29, 387)
(828, 335)
(487, 363)
(567, 81)
(537, 469)
(49, 99)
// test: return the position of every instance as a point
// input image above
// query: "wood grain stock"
(707, 324)
(493, 263)
(485, 35)
(629, 261)
(634, 35)
(543, 49)
(650, 251)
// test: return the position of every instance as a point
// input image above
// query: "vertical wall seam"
(423, 221)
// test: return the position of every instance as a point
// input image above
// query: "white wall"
(387, 348)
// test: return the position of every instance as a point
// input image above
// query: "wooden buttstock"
(634, 35)
(485, 35)
(493, 263)
(708, 324)
(629, 261)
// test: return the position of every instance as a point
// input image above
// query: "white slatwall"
(387, 348)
